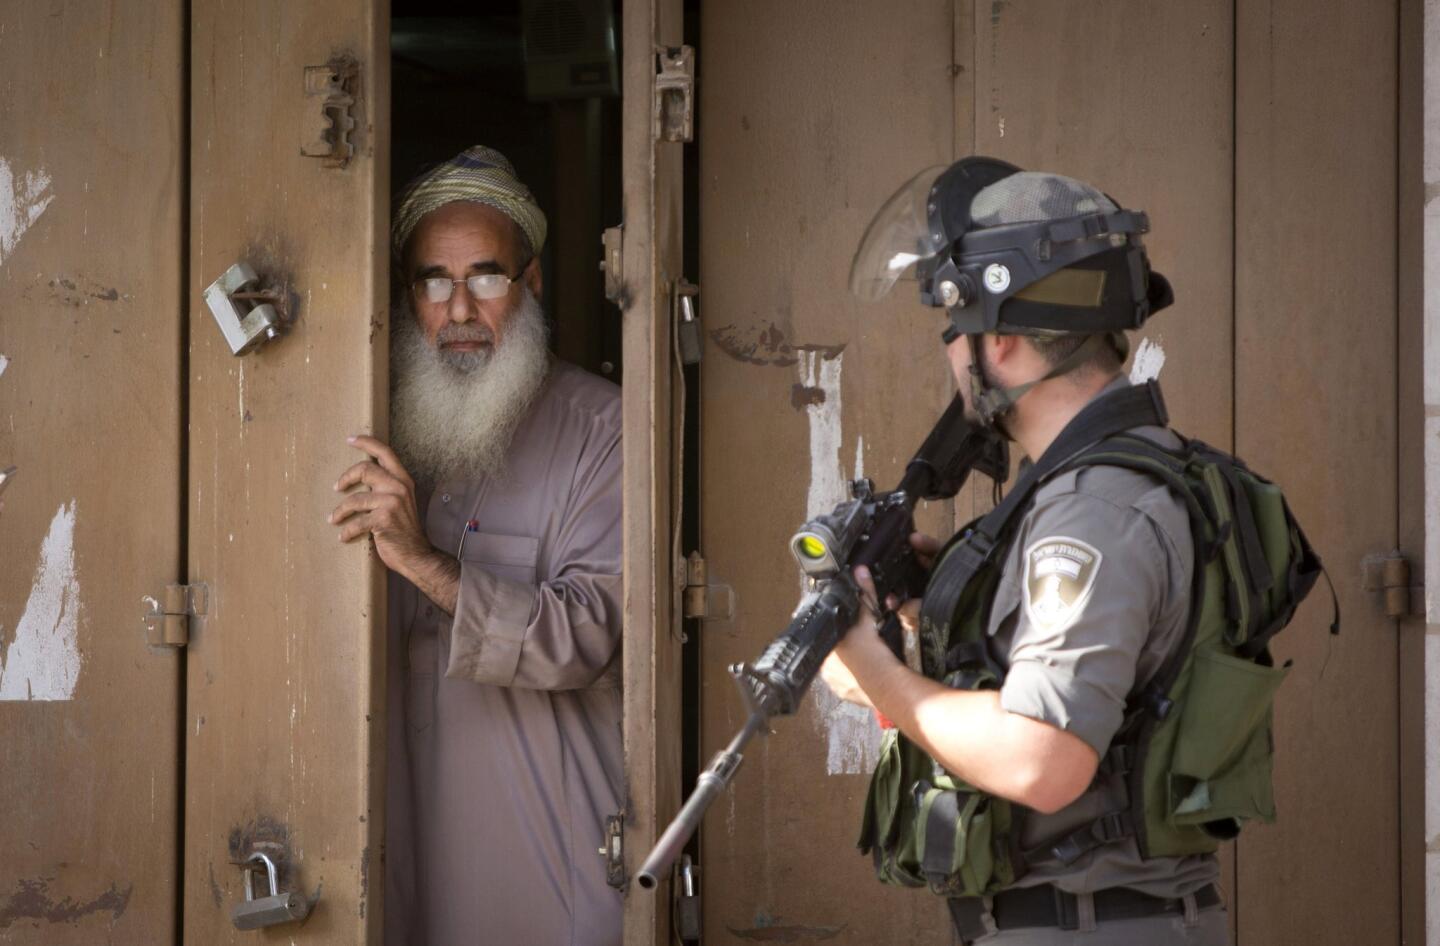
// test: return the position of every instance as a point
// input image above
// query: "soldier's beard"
(453, 414)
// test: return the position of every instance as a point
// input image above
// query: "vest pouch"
(1220, 772)
(884, 804)
(882, 800)
(955, 841)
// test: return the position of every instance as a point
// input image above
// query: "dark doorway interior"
(461, 76)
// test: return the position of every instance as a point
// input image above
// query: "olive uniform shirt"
(1095, 593)
(504, 722)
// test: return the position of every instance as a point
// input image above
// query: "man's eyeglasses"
(439, 289)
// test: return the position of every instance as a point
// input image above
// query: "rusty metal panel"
(812, 114)
(651, 247)
(1315, 369)
(285, 685)
(1067, 87)
(91, 178)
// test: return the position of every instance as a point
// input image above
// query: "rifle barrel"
(707, 788)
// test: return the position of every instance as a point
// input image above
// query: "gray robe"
(504, 722)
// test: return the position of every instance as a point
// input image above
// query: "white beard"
(453, 414)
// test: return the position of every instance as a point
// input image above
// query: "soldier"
(1090, 591)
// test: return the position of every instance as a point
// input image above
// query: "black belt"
(1047, 905)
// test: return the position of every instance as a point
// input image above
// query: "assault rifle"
(870, 529)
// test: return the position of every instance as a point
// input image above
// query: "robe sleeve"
(562, 633)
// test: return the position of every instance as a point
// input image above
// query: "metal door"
(649, 241)
(91, 193)
(285, 713)
(1316, 407)
(1227, 128)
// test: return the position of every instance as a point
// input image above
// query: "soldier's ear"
(1000, 349)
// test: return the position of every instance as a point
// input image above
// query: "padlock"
(687, 328)
(688, 905)
(246, 316)
(266, 911)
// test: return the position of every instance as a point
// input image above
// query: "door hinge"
(1390, 575)
(330, 92)
(167, 621)
(674, 94)
(614, 850)
(612, 264)
(703, 600)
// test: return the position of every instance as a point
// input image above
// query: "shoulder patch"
(1059, 577)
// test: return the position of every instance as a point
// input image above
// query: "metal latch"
(687, 902)
(329, 111)
(271, 910)
(703, 600)
(674, 95)
(167, 622)
(247, 316)
(614, 851)
(611, 264)
(683, 301)
(1390, 575)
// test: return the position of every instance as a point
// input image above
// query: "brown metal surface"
(1410, 519)
(651, 252)
(91, 175)
(811, 115)
(1315, 409)
(285, 687)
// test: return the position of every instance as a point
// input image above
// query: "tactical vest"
(1194, 749)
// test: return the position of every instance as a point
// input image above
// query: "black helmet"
(1004, 250)
(1013, 252)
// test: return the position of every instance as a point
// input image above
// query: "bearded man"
(498, 514)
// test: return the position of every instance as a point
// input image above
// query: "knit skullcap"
(479, 175)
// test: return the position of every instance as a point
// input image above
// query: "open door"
(91, 190)
(285, 717)
(644, 274)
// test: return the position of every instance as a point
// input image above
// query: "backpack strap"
(1110, 414)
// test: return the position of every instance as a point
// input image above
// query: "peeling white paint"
(22, 200)
(827, 479)
(43, 659)
(852, 738)
(1149, 359)
(4, 363)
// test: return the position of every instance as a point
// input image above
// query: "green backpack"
(1195, 747)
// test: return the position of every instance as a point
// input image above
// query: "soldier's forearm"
(974, 737)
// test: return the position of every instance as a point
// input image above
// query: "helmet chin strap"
(993, 403)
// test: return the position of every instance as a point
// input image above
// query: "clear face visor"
(897, 238)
